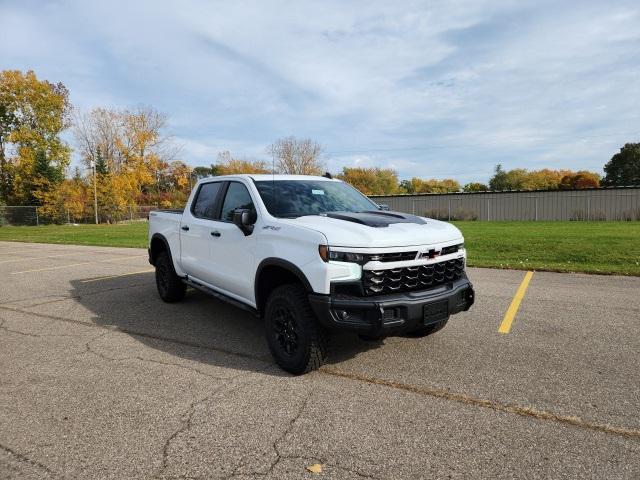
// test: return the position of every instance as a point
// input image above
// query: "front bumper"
(394, 313)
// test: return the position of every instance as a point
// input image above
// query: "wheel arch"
(158, 244)
(273, 272)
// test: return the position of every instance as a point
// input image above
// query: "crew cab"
(310, 255)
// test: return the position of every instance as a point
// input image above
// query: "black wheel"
(428, 329)
(298, 344)
(170, 286)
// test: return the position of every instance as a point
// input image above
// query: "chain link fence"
(621, 203)
(32, 215)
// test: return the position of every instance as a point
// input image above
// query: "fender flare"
(286, 265)
(159, 236)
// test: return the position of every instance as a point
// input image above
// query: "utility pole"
(95, 191)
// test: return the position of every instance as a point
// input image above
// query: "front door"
(233, 252)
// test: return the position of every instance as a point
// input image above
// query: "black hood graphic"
(376, 218)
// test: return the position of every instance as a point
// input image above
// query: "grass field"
(592, 247)
(116, 235)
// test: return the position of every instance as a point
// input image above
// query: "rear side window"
(204, 205)
(237, 197)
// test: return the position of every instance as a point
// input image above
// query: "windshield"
(296, 198)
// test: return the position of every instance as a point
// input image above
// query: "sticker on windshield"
(317, 192)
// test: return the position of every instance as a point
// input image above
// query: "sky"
(431, 89)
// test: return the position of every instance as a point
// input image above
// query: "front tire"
(296, 340)
(170, 286)
(428, 329)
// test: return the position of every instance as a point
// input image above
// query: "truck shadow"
(198, 328)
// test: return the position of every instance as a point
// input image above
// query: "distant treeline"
(128, 158)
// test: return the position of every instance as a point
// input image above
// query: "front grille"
(420, 277)
(393, 257)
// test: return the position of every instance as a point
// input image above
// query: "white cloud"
(430, 88)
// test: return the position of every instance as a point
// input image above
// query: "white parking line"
(48, 256)
(76, 264)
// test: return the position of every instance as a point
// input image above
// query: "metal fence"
(621, 203)
(37, 215)
(591, 204)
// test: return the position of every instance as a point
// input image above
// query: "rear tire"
(427, 330)
(170, 286)
(296, 340)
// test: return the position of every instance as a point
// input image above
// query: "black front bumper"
(394, 313)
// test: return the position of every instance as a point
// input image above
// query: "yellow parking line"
(75, 264)
(115, 276)
(505, 326)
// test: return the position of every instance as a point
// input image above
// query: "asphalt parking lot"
(100, 379)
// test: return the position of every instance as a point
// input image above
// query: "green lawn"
(116, 235)
(593, 247)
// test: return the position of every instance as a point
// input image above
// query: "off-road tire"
(289, 320)
(170, 287)
(427, 329)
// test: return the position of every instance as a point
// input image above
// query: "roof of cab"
(268, 176)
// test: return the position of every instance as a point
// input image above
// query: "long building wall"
(592, 204)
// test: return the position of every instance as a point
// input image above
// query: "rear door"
(196, 227)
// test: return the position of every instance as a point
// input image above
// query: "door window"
(237, 197)
(205, 202)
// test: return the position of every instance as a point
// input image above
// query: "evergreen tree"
(101, 163)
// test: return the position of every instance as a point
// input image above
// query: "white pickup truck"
(310, 255)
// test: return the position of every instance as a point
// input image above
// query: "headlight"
(452, 249)
(326, 254)
(346, 257)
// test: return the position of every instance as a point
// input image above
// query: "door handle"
(185, 228)
(215, 233)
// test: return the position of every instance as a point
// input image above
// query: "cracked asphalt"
(100, 379)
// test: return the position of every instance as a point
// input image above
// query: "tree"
(624, 166)
(132, 148)
(66, 201)
(544, 179)
(585, 179)
(581, 179)
(296, 157)
(101, 164)
(33, 114)
(228, 165)
(178, 175)
(371, 181)
(475, 187)
(406, 187)
(203, 172)
(499, 180)
(98, 132)
(418, 185)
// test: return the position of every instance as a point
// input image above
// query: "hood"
(378, 229)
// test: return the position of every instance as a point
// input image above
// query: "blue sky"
(431, 89)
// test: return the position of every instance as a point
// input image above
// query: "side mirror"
(242, 219)
(383, 206)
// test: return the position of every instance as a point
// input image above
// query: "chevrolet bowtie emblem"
(430, 254)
